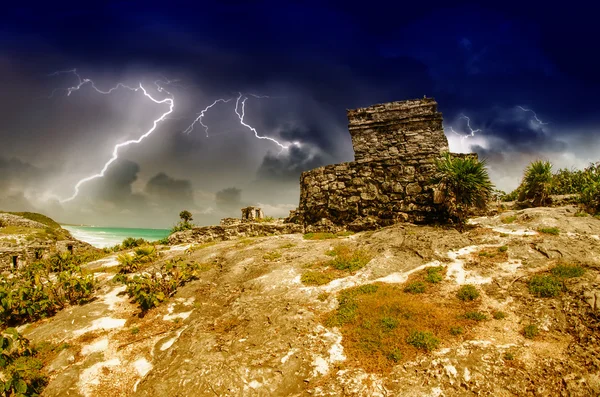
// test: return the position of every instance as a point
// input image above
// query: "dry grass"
(272, 255)
(382, 325)
(326, 236)
(491, 255)
(346, 261)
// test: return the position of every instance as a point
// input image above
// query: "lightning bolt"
(241, 114)
(240, 108)
(471, 130)
(540, 122)
(201, 115)
(115, 154)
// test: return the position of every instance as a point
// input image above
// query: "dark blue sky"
(319, 57)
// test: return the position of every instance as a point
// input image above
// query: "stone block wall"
(397, 130)
(396, 145)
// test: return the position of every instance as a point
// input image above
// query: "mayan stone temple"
(395, 147)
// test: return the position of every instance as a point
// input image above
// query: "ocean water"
(108, 236)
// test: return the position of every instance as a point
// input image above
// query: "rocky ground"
(250, 327)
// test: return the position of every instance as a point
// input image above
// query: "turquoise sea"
(108, 236)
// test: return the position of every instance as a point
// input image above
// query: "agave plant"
(465, 183)
(537, 183)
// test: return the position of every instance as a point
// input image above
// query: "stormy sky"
(312, 59)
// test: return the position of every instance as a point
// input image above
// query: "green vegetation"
(423, 340)
(135, 330)
(141, 257)
(509, 356)
(323, 296)
(456, 331)
(33, 293)
(150, 290)
(416, 287)
(467, 292)
(20, 368)
(465, 183)
(346, 260)
(326, 236)
(567, 271)
(287, 245)
(131, 242)
(549, 230)
(531, 331)
(316, 278)
(504, 248)
(537, 183)
(508, 219)
(498, 315)
(266, 219)
(544, 286)
(185, 222)
(434, 275)
(272, 255)
(581, 214)
(476, 316)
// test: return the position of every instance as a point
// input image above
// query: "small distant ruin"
(395, 148)
(252, 214)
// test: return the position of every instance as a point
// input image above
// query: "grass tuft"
(544, 286)
(467, 292)
(508, 219)
(498, 315)
(549, 230)
(531, 331)
(434, 274)
(476, 316)
(416, 287)
(423, 340)
(568, 271)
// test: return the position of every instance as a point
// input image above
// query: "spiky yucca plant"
(537, 183)
(465, 183)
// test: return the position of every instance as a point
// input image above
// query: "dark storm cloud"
(288, 167)
(163, 188)
(229, 200)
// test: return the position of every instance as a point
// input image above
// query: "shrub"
(434, 274)
(20, 370)
(498, 315)
(456, 331)
(537, 183)
(149, 290)
(509, 356)
(590, 196)
(549, 230)
(141, 256)
(544, 286)
(476, 316)
(131, 242)
(416, 287)
(33, 294)
(465, 183)
(467, 292)
(531, 331)
(388, 323)
(424, 340)
(568, 271)
(504, 248)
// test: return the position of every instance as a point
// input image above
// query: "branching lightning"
(240, 109)
(540, 122)
(115, 154)
(471, 130)
(201, 115)
(241, 114)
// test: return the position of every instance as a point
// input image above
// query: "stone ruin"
(395, 148)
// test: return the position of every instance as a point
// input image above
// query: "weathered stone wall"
(396, 145)
(396, 130)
